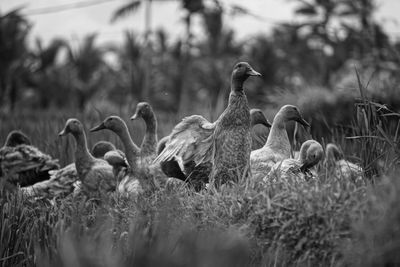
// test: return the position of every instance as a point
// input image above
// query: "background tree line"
(314, 57)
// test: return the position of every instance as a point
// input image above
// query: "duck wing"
(190, 140)
(25, 165)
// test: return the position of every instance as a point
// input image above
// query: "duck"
(15, 138)
(23, 164)
(96, 175)
(342, 169)
(299, 169)
(277, 147)
(232, 136)
(190, 144)
(148, 148)
(100, 148)
(128, 184)
(65, 180)
(137, 173)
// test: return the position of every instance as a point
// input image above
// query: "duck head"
(311, 152)
(143, 110)
(292, 113)
(15, 138)
(113, 123)
(257, 117)
(240, 73)
(332, 153)
(101, 148)
(72, 126)
(115, 159)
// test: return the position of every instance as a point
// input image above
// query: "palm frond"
(125, 10)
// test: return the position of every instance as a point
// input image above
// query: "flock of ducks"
(196, 153)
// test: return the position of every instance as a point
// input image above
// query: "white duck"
(311, 152)
(342, 168)
(277, 147)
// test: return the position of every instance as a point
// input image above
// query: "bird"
(311, 153)
(148, 148)
(128, 184)
(277, 146)
(138, 172)
(189, 142)
(15, 138)
(23, 164)
(95, 174)
(342, 169)
(100, 148)
(232, 137)
(65, 180)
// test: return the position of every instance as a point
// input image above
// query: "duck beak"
(266, 123)
(63, 132)
(99, 127)
(134, 117)
(304, 167)
(252, 72)
(303, 122)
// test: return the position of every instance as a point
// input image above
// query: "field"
(329, 222)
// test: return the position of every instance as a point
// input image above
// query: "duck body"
(95, 174)
(348, 170)
(232, 137)
(60, 183)
(25, 164)
(232, 141)
(342, 169)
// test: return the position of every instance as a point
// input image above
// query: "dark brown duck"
(232, 137)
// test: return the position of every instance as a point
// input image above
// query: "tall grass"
(328, 222)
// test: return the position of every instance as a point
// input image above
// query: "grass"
(329, 222)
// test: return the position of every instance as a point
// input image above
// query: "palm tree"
(191, 6)
(86, 66)
(14, 29)
(46, 75)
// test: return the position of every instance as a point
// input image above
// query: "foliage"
(329, 221)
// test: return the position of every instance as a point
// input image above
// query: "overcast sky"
(72, 24)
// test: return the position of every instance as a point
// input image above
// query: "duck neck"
(278, 137)
(82, 154)
(149, 143)
(131, 149)
(303, 154)
(237, 85)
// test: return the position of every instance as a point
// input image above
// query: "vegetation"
(343, 78)
(326, 222)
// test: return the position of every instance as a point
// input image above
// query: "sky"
(73, 24)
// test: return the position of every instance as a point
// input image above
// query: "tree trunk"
(148, 53)
(185, 89)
